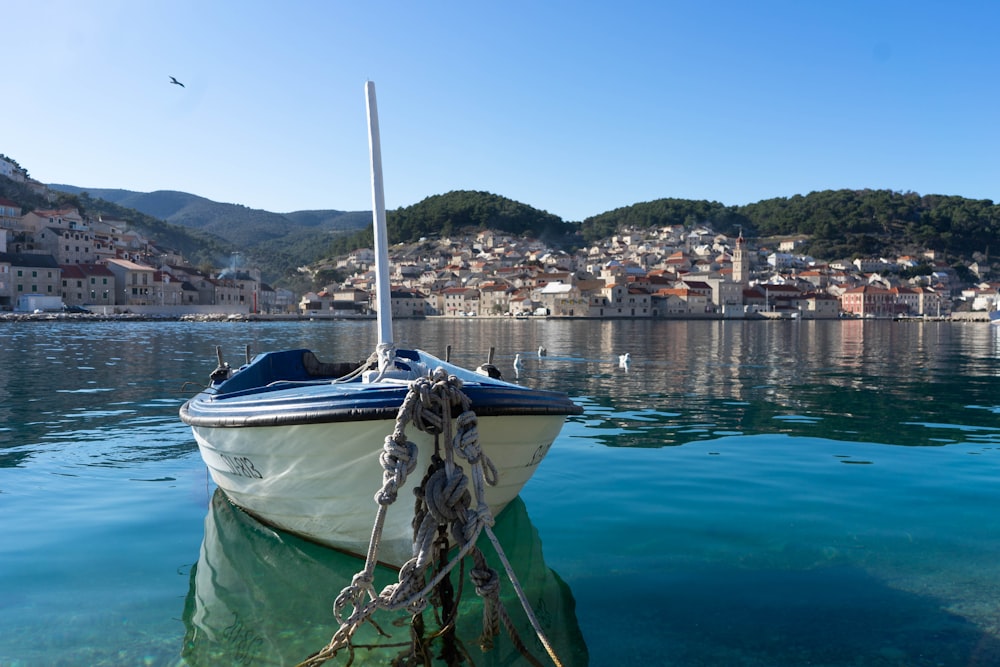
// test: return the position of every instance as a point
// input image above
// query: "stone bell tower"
(741, 264)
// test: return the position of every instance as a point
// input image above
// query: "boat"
(252, 597)
(295, 440)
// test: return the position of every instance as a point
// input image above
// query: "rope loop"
(353, 595)
(490, 474)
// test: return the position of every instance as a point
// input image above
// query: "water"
(758, 493)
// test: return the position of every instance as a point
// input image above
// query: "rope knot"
(363, 580)
(475, 522)
(487, 581)
(398, 459)
(398, 455)
(467, 436)
(406, 592)
(447, 498)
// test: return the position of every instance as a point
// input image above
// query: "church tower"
(741, 268)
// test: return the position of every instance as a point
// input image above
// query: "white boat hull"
(319, 480)
(296, 441)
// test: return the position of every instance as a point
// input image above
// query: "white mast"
(384, 311)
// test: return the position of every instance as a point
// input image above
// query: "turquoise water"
(759, 493)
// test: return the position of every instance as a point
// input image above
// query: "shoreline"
(962, 317)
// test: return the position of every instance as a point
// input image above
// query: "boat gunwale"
(280, 402)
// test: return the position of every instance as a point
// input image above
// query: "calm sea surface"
(746, 493)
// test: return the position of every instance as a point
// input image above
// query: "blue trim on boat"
(278, 389)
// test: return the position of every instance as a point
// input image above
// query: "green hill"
(460, 211)
(838, 223)
(842, 223)
(661, 213)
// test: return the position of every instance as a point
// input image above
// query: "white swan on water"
(624, 360)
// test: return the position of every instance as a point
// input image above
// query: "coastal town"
(60, 260)
(672, 272)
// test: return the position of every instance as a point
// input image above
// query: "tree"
(327, 276)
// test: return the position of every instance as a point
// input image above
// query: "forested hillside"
(872, 222)
(662, 213)
(461, 210)
(839, 223)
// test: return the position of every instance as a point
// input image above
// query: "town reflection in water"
(877, 381)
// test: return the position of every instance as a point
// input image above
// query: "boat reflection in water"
(262, 597)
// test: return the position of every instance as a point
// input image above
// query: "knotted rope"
(443, 504)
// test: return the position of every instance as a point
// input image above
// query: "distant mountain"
(240, 225)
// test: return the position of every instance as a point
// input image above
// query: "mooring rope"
(443, 502)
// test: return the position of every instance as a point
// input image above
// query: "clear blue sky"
(575, 108)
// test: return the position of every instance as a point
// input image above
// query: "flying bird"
(173, 80)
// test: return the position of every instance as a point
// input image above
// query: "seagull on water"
(173, 80)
